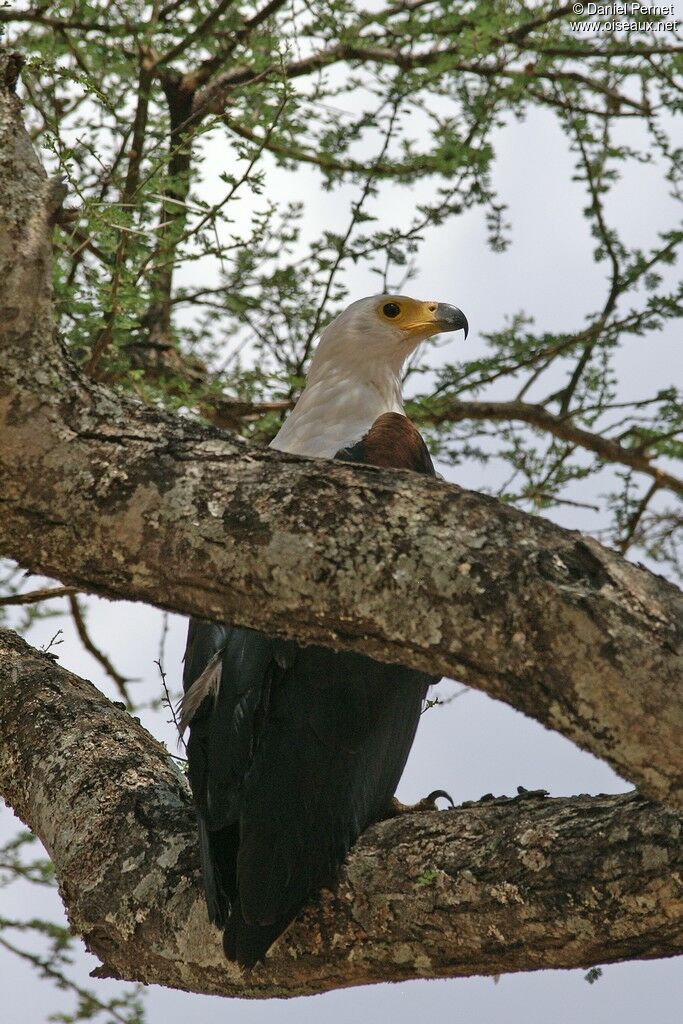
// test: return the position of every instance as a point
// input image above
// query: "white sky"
(475, 745)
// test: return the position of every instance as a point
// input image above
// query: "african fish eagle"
(293, 751)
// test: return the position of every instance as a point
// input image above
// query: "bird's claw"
(428, 803)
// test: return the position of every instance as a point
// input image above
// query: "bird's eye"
(391, 309)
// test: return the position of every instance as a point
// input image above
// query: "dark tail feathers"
(248, 943)
(217, 899)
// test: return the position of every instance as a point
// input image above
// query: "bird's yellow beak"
(421, 320)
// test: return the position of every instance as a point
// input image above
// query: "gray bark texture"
(108, 495)
(500, 885)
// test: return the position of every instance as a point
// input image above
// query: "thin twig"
(634, 520)
(79, 622)
(34, 596)
(169, 704)
(441, 702)
(54, 641)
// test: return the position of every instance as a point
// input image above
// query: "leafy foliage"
(58, 944)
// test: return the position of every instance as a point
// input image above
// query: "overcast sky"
(475, 745)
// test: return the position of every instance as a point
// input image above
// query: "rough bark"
(495, 886)
(103, 493)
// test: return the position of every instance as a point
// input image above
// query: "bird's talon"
(428, 803)
(439, 794)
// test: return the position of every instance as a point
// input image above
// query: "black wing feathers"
(299, 751)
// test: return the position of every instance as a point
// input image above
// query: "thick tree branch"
(502, 885)
(224, 411)
(157, 319)
(109, 495)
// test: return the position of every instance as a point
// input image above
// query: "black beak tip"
(452, 318)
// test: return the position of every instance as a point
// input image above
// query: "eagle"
(295, 750)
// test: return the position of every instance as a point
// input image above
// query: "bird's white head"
(355, 373)
(378, 333)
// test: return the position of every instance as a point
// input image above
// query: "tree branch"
(173, 215)
(130, 502)
(500, 885)
(563, 427)
(225, 411)
(35, 596)
(197, 33)
(92, 649)
(212, 97)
